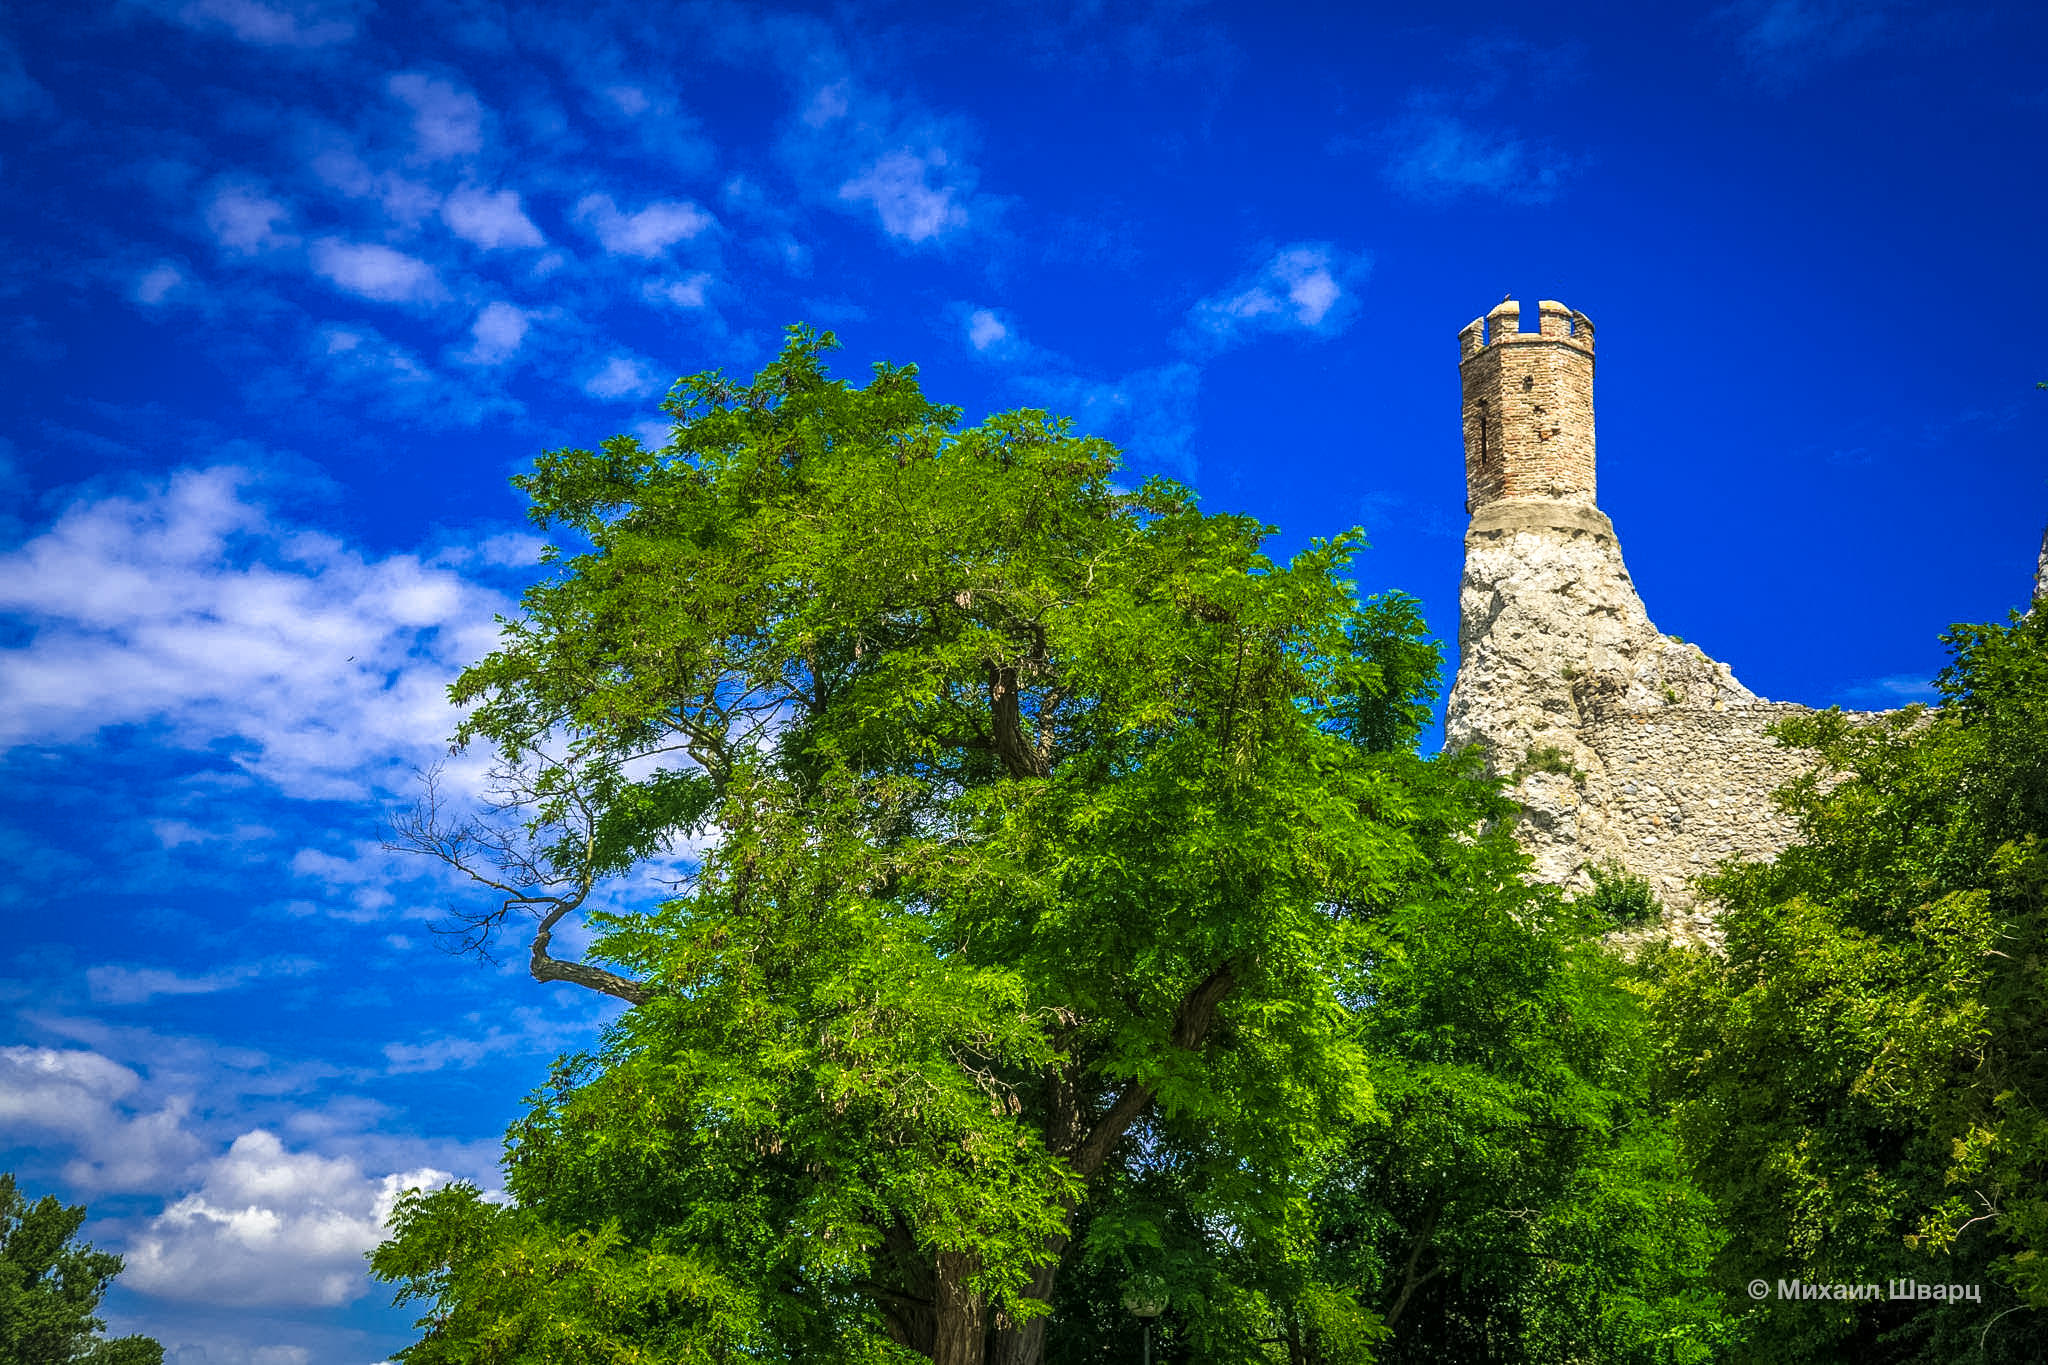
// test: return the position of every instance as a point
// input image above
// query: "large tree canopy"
(1059, 915)
(1018, 812)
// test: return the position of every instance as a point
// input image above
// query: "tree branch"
(1191, 1023)
(546, 968)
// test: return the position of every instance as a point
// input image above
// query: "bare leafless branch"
(506, 861)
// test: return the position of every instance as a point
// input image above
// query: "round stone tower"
(1528, 406)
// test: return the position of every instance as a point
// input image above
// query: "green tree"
(50, 1286)
(1515, 1195)
(1521, 1199)
(1861, 1077)
(1028, 816)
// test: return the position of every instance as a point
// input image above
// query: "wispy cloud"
(912, 193)
(1149, 411)
(113, 984)
(447, 122)
(268, 23)
(1901, 689)
(874, 154)
(690, 292)
(358, 363)
(985, 330)
(87, 1103)
(499, 329)
(490, 219)
(21, 96)
(156, 284)
(1783, 40)
(1306, 287)
(190, 607)
(623, 377)
(648, 233)
(532, 1034)
(1452, 141)
(246, 221)
(1437, 157)
(376, 272)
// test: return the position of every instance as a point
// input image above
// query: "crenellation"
(1503, 320)
(1472, 340)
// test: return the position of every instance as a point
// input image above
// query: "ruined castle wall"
(1687, 788)
(1622, 745)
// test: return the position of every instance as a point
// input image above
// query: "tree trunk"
(961, 1314)
(1024, 1344)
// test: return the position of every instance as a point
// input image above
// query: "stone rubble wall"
(1687, 789)
(1627, 746)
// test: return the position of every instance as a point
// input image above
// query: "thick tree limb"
(547, 968)
(1191, 1023)
(1410, 1281)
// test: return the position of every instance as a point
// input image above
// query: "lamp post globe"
(1145, 1299)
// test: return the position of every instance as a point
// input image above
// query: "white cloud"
(499, 330)
(117, 985)
(88, 1102)
(269, 23)
(187, 606)
(647, 234)
(622, 377)
(158, 283)
(985, 329)
(245, 221)
(910, 207)
(446, 122)
(269, 1227)
(691, 291)
(490, 218)
(363, 878)
(1309, 287)
(374, 271)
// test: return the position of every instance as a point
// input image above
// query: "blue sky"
(291, 287)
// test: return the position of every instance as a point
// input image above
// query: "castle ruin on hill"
(1623, 745)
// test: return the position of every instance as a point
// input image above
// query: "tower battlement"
(1528, 406)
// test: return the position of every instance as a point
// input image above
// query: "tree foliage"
(51, 1286)
(1861, 1077)
(1029, 806)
